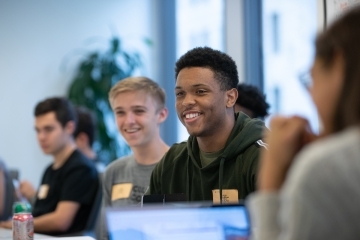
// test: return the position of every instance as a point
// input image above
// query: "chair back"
(10, 194)
(90, 225)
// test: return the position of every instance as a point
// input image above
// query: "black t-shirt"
(77, 181)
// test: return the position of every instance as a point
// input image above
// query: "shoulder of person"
(249, 131)
(2, 165)
(327, 158)
(177, 152)
(119, 163)
(79, 163)
(77, 158)
(260, 144)
(48, 168)
(332, 146)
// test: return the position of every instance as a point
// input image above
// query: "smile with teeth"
(191, 115)
(132, 130)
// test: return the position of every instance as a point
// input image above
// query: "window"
(199, 23)
(289, 30)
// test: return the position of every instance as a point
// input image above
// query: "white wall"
(35, 37)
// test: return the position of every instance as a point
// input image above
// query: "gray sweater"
(125, 182)
(320, 198)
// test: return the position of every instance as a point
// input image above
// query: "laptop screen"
(179, 222)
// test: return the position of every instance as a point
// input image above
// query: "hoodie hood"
(245, 131)
(180, 170)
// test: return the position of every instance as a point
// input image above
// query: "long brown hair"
(343, 36)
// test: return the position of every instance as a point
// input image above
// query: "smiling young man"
(221, 155)
(69, 185)
(139, 108)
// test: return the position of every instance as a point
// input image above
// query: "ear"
(163, 113)
(70, 127)
(82, 140)
(231, 96)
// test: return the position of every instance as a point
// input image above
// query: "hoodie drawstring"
(187, 182)
(221, 172)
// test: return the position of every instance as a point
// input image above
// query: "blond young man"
(139, 108)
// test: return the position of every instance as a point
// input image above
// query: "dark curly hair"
(86, 123)
(251, 98)
(223, 66)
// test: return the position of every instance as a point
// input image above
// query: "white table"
(6, 234)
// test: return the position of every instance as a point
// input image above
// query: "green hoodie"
(180, 171)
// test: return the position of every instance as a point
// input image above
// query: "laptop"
(191, 221)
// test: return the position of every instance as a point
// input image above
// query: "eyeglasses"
(306, 80)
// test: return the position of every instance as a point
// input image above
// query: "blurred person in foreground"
(308, 186)
(7, 193)
(219, 161)
(69, 185)
(138, 104)
(251, 101)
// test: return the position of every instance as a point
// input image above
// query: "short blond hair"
(138, 84)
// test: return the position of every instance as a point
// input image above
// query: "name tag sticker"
(229, 196)
(43, 191)
(120, 191)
